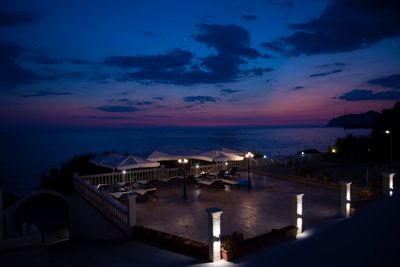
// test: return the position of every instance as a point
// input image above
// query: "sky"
(195, 63)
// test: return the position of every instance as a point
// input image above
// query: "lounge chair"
(232, 173)
(119, 195)
(146, 193)
(213, 183)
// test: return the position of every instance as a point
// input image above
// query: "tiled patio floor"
(252, 212)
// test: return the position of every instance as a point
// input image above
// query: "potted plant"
(230, 244)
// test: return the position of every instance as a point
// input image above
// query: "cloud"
(76, 61)
(278, 46)
(256, 71)
(159, 98)
(325, 73)
(123, 100)
(298, 87)
(229, 39)
(227, 91)
(110, 118)
(160, 62)
(43, 60)
(16, 18)
(11, 72)
(391, 81)
(230, 42)
(361, 94)
(118, 109)
(42, 93)
(249, 17)
(200, 99)
(144, 103)
(336, 64)
(346, 25)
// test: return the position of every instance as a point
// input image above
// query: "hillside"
(362, 120)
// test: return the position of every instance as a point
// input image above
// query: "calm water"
(25, 155)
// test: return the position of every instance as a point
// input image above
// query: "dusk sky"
(195, 63)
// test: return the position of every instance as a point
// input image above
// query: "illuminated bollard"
(298, 213)
(132, 211)
(387, 184)
(214, 233)
(345, 199)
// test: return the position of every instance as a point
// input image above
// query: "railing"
(110, 208)
(154, 173)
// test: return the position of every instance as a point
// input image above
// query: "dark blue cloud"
(16, 18)
(249, 17)
(200, 99)
(346, 25)
(45, 60)
(229, 40)
(160, 62)
(76, 61)
(118, 109)
(227, 91)
(110, 117)
(298, 87)
(361, 94)
(256, 71)
(11, 72)
(334, 65)
(123, 100)
(42, 93)
(391, 81)
(143, 103)
(325, 73)
(159, 98)
(278, 46)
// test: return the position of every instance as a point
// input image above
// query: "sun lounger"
(102, 186)
(118, 195)
(146, 193)
(169, 179)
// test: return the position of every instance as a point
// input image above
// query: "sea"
(25, 155)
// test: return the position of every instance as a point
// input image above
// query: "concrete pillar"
(298, 213)
(214, 233)
(1, 214)
(345, 199)
(131, 211)
(387, 184)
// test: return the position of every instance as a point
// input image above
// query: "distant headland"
(355, 121)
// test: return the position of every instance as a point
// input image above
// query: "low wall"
(171, 242)
(32, 237)
(110, 208)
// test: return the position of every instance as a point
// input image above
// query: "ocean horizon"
(26, 154)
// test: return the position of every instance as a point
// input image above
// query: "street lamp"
(183, 162)
(388, 132)
(249, 156)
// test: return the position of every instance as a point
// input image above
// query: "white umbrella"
(120, 162)
(161, 156)
(216, 155)
(134, 162)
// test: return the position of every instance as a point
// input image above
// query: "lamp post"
(388, 132)
(249, 156)
(183, 162)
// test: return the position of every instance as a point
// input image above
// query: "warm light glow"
(347, 209)
(123, 171)
(387, 132)
(333, 150)
(183, 161)
(299, 225)
(197, 166)
(226, 163)
(302, 153)
(249, 155)
(265, 156)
